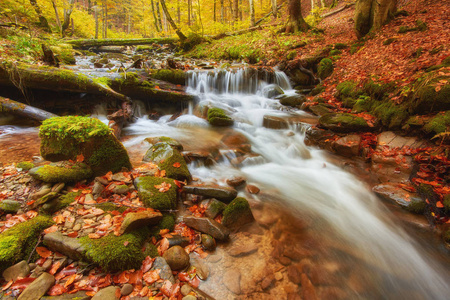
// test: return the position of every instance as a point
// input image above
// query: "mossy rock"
(164, 139)
(320, 109)
(152, 197)
(116, 253)
(65, 138)
(169, 159)
(344, 123)
(325, 68)
(439, 125)
(217, 117)
(59, 203)
(347, 89)
(298, 77)
(64, 54)
(237, 214)
(317, 90)
(376, 90)
(340, 46)
(292, 100)
(9, 206)
(364, 103)
(170, 75)
(167, 222)
(108, 207)
(291, 55)
(18, 242)
(335, 52)
(25, 165)
(63, 171)
(428, 97)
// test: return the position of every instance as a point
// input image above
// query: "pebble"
(208, 242)
(232, 280)
(102, 180)
(242, 250)
(278, 276)
(176, 258)
(189, 297)
(47, 264)
(126, 289)
(185, 289)
(252, 189)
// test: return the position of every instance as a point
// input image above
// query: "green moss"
(439, 123)
(364, 103)
(217, 117)
(416, 206)
(291, 55)
(25, 165)
(391, 115)
(446, 203)
(432, 93)
(142, 48)
(317, 90)
(167, 222)
(111, 253)
(62, 172)
(446, 236)
(168, 159)
(421, 25)
(108, 207)
(335, 52)
(152, 197)
(151, 250)
(389, 41)
(355, 47)
(111, 155)
(9, 206)
(347, 89)
(59, 203)
(344, 122)
(340, 46)
(325, 68)
(376, 90)
(237, 213)
(170, 75)
(64, 54)
(18, 242)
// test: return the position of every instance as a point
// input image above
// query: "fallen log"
(25, 76)
(120, 118)
(338, 10)
(84, 44)
(23, 110)
(242, 31)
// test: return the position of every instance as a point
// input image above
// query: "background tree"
(295, 22)
(372, 14)
(42, 20)
(172, 23)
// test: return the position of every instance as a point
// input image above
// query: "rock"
(236, 181)
(294, 274)
(178, 240)
(293, 100)
(201, 268)
(62, 138)
(169, 159)
(232, 280)
(140, 219)
(391, 140)
(153, 197)
(97, 189)
(274, 122)
(393, 193)
(217, 117)
(63, 171)
(320, 109)
(308, 290)
(38, 287)
(176, 258)
(10, 206)
(208, 226)
(267, 281)
(242, 250)
(48, 197)
(126, 289)
(58, 187)
(348, 145)
(224, 194)
(120, 189)
(164, 139)
(189, 297)
(21, 269)
(81, 295)
(278, 276)
(185, 289)
(237, 214)
(344, 122)
(165, 273)
(108, 293)
(272, 91)
(214, 208)
(208, 242)
(42, 192)
(68, 246)
(252, 189)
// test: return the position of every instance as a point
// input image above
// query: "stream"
(312, 217)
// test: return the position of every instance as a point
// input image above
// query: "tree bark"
(372, 14)
(274, 9)
(158, 14)
(236, 10)
(172, 23)
(296, 22)
(154, 17)
(67, 13)
(23, 110)
(42, 20)
(252, 13)
(58, 22)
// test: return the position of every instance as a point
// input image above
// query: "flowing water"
(313, 217)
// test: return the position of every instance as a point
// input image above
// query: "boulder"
(9, 206)
(208, 226)
(217, 117)
(157, 192)
(164, 139)
(21, 269)
(292, 100)
(394, 193)
(70, 247)
(169, 159)
(224, 194)
(74, 138)
(38, 287)
(215, 207)
(63, 171)
(274, 122)
(139, 219)
(320, 109)
(344, 122)
(272, 91)
(237, 214)
(165, 273)
(176, 258)
(348, 145)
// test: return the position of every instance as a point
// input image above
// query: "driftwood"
(25, 76)
(23, 110)
(85, 44)
(120, 118)
(337, 10)
(242, 31)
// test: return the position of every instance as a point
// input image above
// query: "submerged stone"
(237, 214)
(217, 117)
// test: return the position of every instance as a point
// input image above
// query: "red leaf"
(73, 234)
(147, 264)
(439, 204)
(43, 252)
(151, 276)
(123, 277)
(22, 283)
(56, 290)
(166, 289)
(70, 280)
(55, 268)
(126, 243)
(176, 165)
(7, 285)
(80, 158)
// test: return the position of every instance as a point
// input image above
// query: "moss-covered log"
(23, 110)
(25, 76)
(83, 43)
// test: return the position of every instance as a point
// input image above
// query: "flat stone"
(394, 193)
(120, 189)
(80, 295)
(392, 140)
(165, 273)
(242, 250)
(68, 246)
(21, 269)
(200, 266)
(208, 226)
(140, 219)
(225, 194)
(10, 206)
(108, 293)
(236, 181)
(38, 287)
(252, 189)
(348, 145)
(185, 289)
(189, 297)
(232, 280)
(176, 258)
(274, 122)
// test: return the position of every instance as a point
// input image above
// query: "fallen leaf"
(94, 236)
(176, 165)
(126, 243)
(147, 264)
(70, 280)
(80, 158)
(43, 252)
(73, 234)
(55, 268)
(151, 276)
(7, 285)
(56, 290)
(439, 204)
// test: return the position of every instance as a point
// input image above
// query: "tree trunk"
(215, 7)
(154, 17)
(23, 110)
(200, 16)
(189, 11)
(67, 13)
(296, 22)
(178, 13)
(372, 14)
(158, 13)
(274, 9)
(172, 23)
(42, 20)
(222, 12)
(312, 6)
(58, 22)
(236, 10)
(252, 13)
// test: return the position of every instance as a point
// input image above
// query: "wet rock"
(393, 193)
(217, 117)
(21, 269)
(70, 247)
(108, 293)
(48, 197)
(214, 208)
(392, 140)
(242, 250)
(267, 281)
(178, 240)
(38, 287)
(208, 226)
(308, 290)
(344, 122)
(201, 268)
(320, 110)
(165, 273)
(176, 258)
(294, 274)
(126, 289)
(293, 100)
(152, 196)
(272, 91)
(252, 189)
(236, 181)
(63, 171)
(225, 194)
(121, 177)
(274, 122)
(208, 242)
(203, 156)
(164, 139)
(120, 189)
(232, 280)
(10, 206)
(47, 264)
(348, 145)
(140, 219)
(237, 214)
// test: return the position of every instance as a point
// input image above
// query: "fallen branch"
(242, 31)
(84, 44)
(337, 10)
(23, 110)
(120, 118)
(267, 15)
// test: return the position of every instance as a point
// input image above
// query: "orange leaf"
(123, 277)
(91, 293)
(73, 234)
(439, 204)
(80, 158)
(94, 236)
(43, 252)
(126, 243)
(70, 280)
(117, 294)
(7, 285)
(176, 165)
(151, 276)
(55, 268)
(51, 229)
(31, 202)
(57, 290)
(157, 87)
